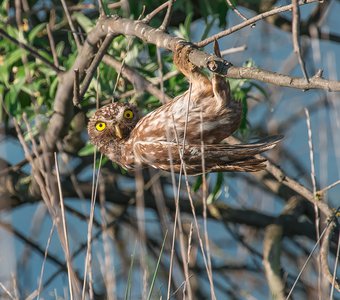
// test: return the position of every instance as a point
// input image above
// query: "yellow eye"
(100, 126)
(128, 114)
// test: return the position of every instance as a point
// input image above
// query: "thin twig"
(6, 291)
(167, 76)
(70, 22)
(296, 36)
(151, 15)
(123, 64)
(316, 210)
(234, 50)
(204, 201)
(335, 267)
(76, 88)
(236, 11)
(139, 82)
(101, 8)
(108, 268)
(44, 261)
(30, 50)
(167, 17)
(160, 71)
(52, 45)
(18, 18)
(63, 218)
(94, 64)
(311, 151)
(250, 22)
(95, 181)
(329, 187)
(308, 259)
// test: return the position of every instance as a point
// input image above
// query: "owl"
(187, 131)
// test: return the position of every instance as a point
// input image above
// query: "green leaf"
(207, 29)
(4, 75)
(13, 57)
(217, 189)
(2, 91)
(84, 21)
(197, 183)
(106, 8)
(129, 279)
(260, 89)
(87, 150)
(35, 31)
(53, 87)
(157, 267)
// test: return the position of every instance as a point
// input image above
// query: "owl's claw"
(181, 58)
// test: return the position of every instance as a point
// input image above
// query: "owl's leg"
(189, 70)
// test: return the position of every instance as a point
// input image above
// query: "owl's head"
(112, 124)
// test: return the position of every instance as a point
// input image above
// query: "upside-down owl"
(187, 131)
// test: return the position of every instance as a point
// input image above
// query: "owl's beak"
(118, 131)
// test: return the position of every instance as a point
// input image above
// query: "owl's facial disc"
(112, 124)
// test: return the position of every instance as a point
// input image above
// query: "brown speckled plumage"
(155, 139)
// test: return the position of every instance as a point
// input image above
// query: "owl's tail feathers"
(242, 150)
(236, 158)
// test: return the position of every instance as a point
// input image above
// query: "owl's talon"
(181, 58)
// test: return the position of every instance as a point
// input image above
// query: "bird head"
(112, 124)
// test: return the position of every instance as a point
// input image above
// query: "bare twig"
(7, 291)
(101, 8)
(44, 261)
(139, 82)
(167, 76)
(160, 71)
(250, 22)
(95, 182)
(311, 151)
(151, 15)
(30, 50)
(52, 45)
(324, 190)
(271, 260)
(76, 87)
(315, 82)
(93, 67)
(335, 267)
(236, 11)
(234, 50)
(70, 22)
(316, 210)
(63, 219)
(309, 257)
(167, 17)
(296, 36)
(18, 18)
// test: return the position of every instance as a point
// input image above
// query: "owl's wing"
(216, 157)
